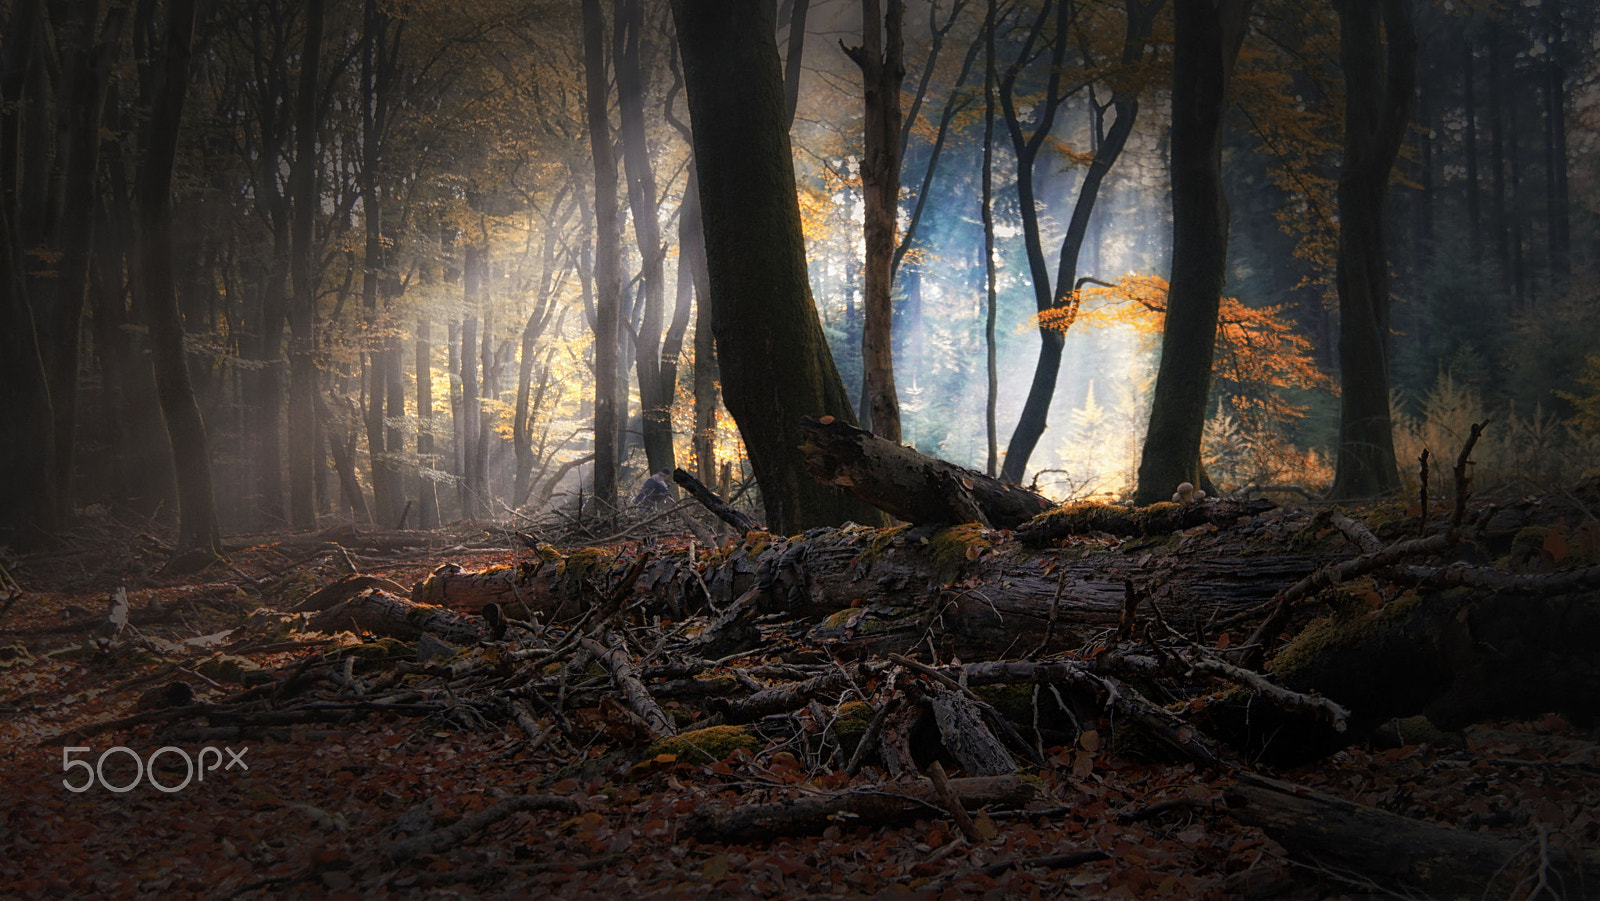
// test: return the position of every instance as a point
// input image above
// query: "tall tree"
(1206, 42)
(79, 113)
(304, 199)
(1378, 51)
(658, 382)
(986, 211)
(379, 68)
(881, 58)
(775, 362)
(197, 510)
(28, 510)
(1061, 304)
(607, 263)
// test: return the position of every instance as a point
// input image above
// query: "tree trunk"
(1034, 418)
(80, 114)
(302, 312)
(1380, 78)
(1206, 45)
(775, 362)
(793, 58)
(986, 211)
(909, 485)
(656, 396)
(1469, 139)
(428, 515)
(608, 392)
(197, 509)
(881, 60)
(28, 510)
(1557, 203)
(692, 257)
(471, 410)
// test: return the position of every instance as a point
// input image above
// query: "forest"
(1189, 412)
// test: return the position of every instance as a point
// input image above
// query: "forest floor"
(430, 798)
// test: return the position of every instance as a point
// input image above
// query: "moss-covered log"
(974, 591)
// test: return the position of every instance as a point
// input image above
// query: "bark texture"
(1207, 37)
(774, 359)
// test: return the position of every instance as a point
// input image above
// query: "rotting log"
(883, 804)
(975, 591)
(910, 485)
(377, 611)
(1088, 517)
(1396, 850)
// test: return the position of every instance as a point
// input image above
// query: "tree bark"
(775, 362)
(607, 269)
(1412, 854)
(1206, 45)
(909, 485)
(302, 310)
(656, 395)
(197, 509)
(428, 515)
(1380, 78)
(881, 60)
(1034, 418)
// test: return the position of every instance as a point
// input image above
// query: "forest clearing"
(800, 449)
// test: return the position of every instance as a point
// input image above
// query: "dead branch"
(615, 657)
(740, 522)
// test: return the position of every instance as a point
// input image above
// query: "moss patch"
(581, 562)
(705, 745)
(878, 545)
(951, 548)
(226, 668)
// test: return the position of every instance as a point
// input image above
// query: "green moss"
(226, 667)
(837, 620)
(382, 649)
(878, 545)
(1349, 623)
(1014, 701)
(547, 553)
(581, 562)
(1527, 547)
(950, 548)
(1418, 730)
(851, 724)
(374, 654)
(705, 745)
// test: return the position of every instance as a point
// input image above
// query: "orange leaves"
(1258, 350)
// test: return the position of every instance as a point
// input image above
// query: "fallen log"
(379, 612)
(910, 485)
(1088, 517)
(1396, 850)
(883, 804)
(977, 592)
